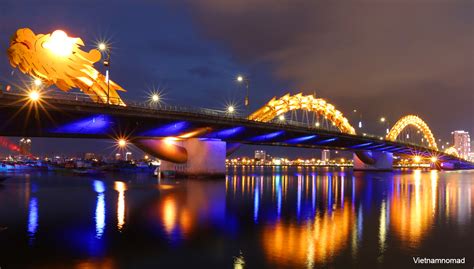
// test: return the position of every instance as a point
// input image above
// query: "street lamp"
(231, 109)
(37, 82)
(155, 98)
(281, 117)
(34, 95)
(122, 142)
(242, 79)
(105, 49)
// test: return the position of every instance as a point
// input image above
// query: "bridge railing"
(76, 97)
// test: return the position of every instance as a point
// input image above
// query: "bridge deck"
(63, 117)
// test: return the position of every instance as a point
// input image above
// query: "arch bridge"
(197, 141)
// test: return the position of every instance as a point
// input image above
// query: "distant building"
(89, 156)
(325, 155)
(471, 156)
(118, 156)
(260, 155)
(128, 156)
(25, 146)
(462, 143)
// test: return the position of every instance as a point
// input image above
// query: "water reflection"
(32, 218)
(120, 187)
(285, 217)
(99, 188)
(323, 213)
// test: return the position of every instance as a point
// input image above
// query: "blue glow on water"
(278, 190)
(301, 139)
(227, 133)
(298, 202)
(353, 191)
(265, 137)
(342, 191)
(256, 203)
(360, 222)
(329, 193)
(99, 187)
(33, 217)
(172, 129)
(313, 191)
(100, 216)
(97, 124)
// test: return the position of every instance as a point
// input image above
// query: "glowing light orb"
(281, 117)
(34, 96)
(155, 98)
(434, 159)
(231, 109)
(417, 159)
(37, 82)
(240, 78)
(60, 44)
(122, 142)
(102, 46)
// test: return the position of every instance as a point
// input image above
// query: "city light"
(34, 95)
(382, 119)
(281, 117)
(37, 82)
(240, 78)
(230, 109)
(60, 44)
(122, 142)
(102, 46)
(155, 98)
(434, 159)
(417, 159)
(317, 124)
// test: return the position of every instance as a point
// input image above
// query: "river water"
(255, 218)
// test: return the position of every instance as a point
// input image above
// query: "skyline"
(176, 53)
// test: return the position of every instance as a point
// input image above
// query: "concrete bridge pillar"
(193, 157)
(373, 161)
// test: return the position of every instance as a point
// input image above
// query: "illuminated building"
(25, 146)
(325, 156)
(89, 156)
(260, 155)
(462, 143)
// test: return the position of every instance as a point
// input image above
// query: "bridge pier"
(373, 161)
(193, 157)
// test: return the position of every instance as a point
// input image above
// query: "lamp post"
(242, 79)
(105, 49)
(385, 123)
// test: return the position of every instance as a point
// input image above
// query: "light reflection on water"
(262, 217)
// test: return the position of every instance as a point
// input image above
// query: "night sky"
(383, 58)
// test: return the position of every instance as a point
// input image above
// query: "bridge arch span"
(417, 122)
(276, 107)
(452, 151)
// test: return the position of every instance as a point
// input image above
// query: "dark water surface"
(272, 217)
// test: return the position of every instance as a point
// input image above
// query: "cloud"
(202, 72)
(355, 51)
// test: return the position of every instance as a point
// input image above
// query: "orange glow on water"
(412, 208)
(306, 245)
